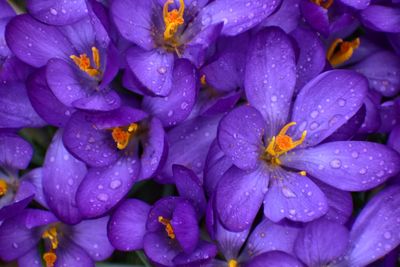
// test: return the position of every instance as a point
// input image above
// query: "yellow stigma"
(303, 173)
(283, 143)
(172, 19)
(49, 258)
(340, 51)
(3, 187)
(168, 226)
(323, 3)
(203, 80)
(233, 263)
(122, 137)
(84, 64)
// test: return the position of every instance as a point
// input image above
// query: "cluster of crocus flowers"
(200, 133)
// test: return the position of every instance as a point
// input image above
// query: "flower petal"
(287, 17)
(229, 243)
(271, 76)
(293, 196)
(177, 106)
(314, 242)
(31, 258)
(127, 225)
(69, 254)
(159, 248)
(203, 253)
(62, 174)
(347, 165)
(274, 258)
(315, 16)
(239, 196)
(240, 136)
(15, 152)
(103, 188)
(326, 103)
(381, 18)
(154, 69)
(362, 4)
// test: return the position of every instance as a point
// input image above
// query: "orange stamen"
(233, 263)
(84, 64)
(323, 3)
(3, 187)
(168, 226)
(340, 51)
(172, 19)
(122, 137)
(283, 143)
(49, 258)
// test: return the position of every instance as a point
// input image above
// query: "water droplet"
(162, 70)
(354, 154)
(184, 105)
(363, 171)
(102, 197)
(15, 245)
(314, 114)
(287, 192)
(115, 184)
(336, 163)
(314, 125)
(387, 235)
(341, 102)
(53, 11)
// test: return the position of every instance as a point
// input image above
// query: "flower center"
(122, 136)
(50, 256)
(323, 3)
(3, 187)
(340, 51)
(283, 143)
(84, 64)
(172, 19)
(233, 263)
(168, 226)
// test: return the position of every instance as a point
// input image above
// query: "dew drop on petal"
(336, 163)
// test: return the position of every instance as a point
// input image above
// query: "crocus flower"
(121, 146)
(161, 29)
(80, 61)
(15, 193)
(370, 238)
(274, 154)
(168, 231)
(64, 245)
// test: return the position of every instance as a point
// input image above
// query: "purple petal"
(271, 76)
(165, 208)
(91, 235)
(36, 218)
(316, 16)
(15, 238)
(15, 152)
(189, 143)
(295, 197)
(274, 258)
(190, 187)
(394, 138)
(221, 104)
(239, 196)
(103, 188)
(381, 18)
(287, 17)
(372, 120)
(327, 102)
(45, 102)
(311, 59)
(348, 165)
(160, 248)
(31, 259)
(15, 109)
(383, 79)
(99, 101)
(240, 137)
(186, 229)
(240, 16)
(230, 243)
(203, 253)
(269, 236)
(133, 19)
(127, 225)
(375, 232)
(155, 150)
(314, 243)
(69, 254)
(35, 178)
(177, 106)
(6, 10)
(34, 42)
(19, 203)
(154, 69)
(62, 174)
(389, 115)
(57, 12)
(362, 4)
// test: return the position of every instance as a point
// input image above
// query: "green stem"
(143, 258)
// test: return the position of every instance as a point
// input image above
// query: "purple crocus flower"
(187, 30)
(121, 146)
(168, 231)
(370, 238)
(274, 156)
(79, 58)
(64, 245)
(15, 193)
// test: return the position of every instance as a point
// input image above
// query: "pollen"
(51, 234)
(172, 19)
(3, 187)
(168, 226)
(303, 173)
(122, 136)
(323, 3)
(49, 258)
(340, 51)
(233, 263)
(203, 80)
(283, 143)
(84, 63)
